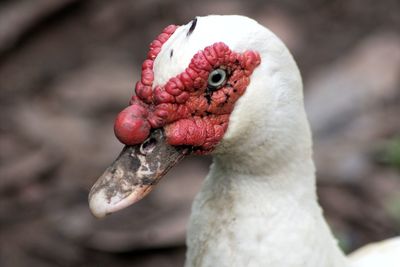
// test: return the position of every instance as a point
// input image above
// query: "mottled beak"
(134, 174)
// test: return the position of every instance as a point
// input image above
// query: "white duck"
(258, 205)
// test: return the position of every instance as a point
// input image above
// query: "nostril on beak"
(148, 145)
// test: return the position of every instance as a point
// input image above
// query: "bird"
(227, 86)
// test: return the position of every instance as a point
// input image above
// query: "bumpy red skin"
(191, 113)
(131, 125)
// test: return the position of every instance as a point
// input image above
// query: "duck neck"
(266, 218)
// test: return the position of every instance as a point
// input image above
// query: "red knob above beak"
(131, 126)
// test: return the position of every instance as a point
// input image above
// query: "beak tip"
(100, 205)
(97, 205)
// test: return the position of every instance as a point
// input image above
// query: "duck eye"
(216, 78)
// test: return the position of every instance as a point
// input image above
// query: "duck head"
(223, 85)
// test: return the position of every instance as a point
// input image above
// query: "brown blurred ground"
(67, 67)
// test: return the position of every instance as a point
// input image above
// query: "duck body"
(258, 205)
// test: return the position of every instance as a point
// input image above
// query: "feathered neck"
(270, 219)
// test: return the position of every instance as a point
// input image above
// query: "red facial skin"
(131, 125)
(191, 113)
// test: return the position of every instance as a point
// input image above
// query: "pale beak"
(134, 174)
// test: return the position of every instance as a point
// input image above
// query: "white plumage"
(258, 205)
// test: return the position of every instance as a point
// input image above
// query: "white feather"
(258, 205)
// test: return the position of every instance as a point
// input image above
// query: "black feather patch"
(192, 27)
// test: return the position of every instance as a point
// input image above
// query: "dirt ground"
(67, 67)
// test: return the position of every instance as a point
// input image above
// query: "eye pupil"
(216, 78)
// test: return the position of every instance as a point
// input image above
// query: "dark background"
(67, 67)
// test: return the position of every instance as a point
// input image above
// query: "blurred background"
(67, 67)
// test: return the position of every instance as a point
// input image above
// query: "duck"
(226, 86)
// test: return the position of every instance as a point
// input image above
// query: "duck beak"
(134, 174)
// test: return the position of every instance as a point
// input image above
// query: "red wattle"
(131, 126)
